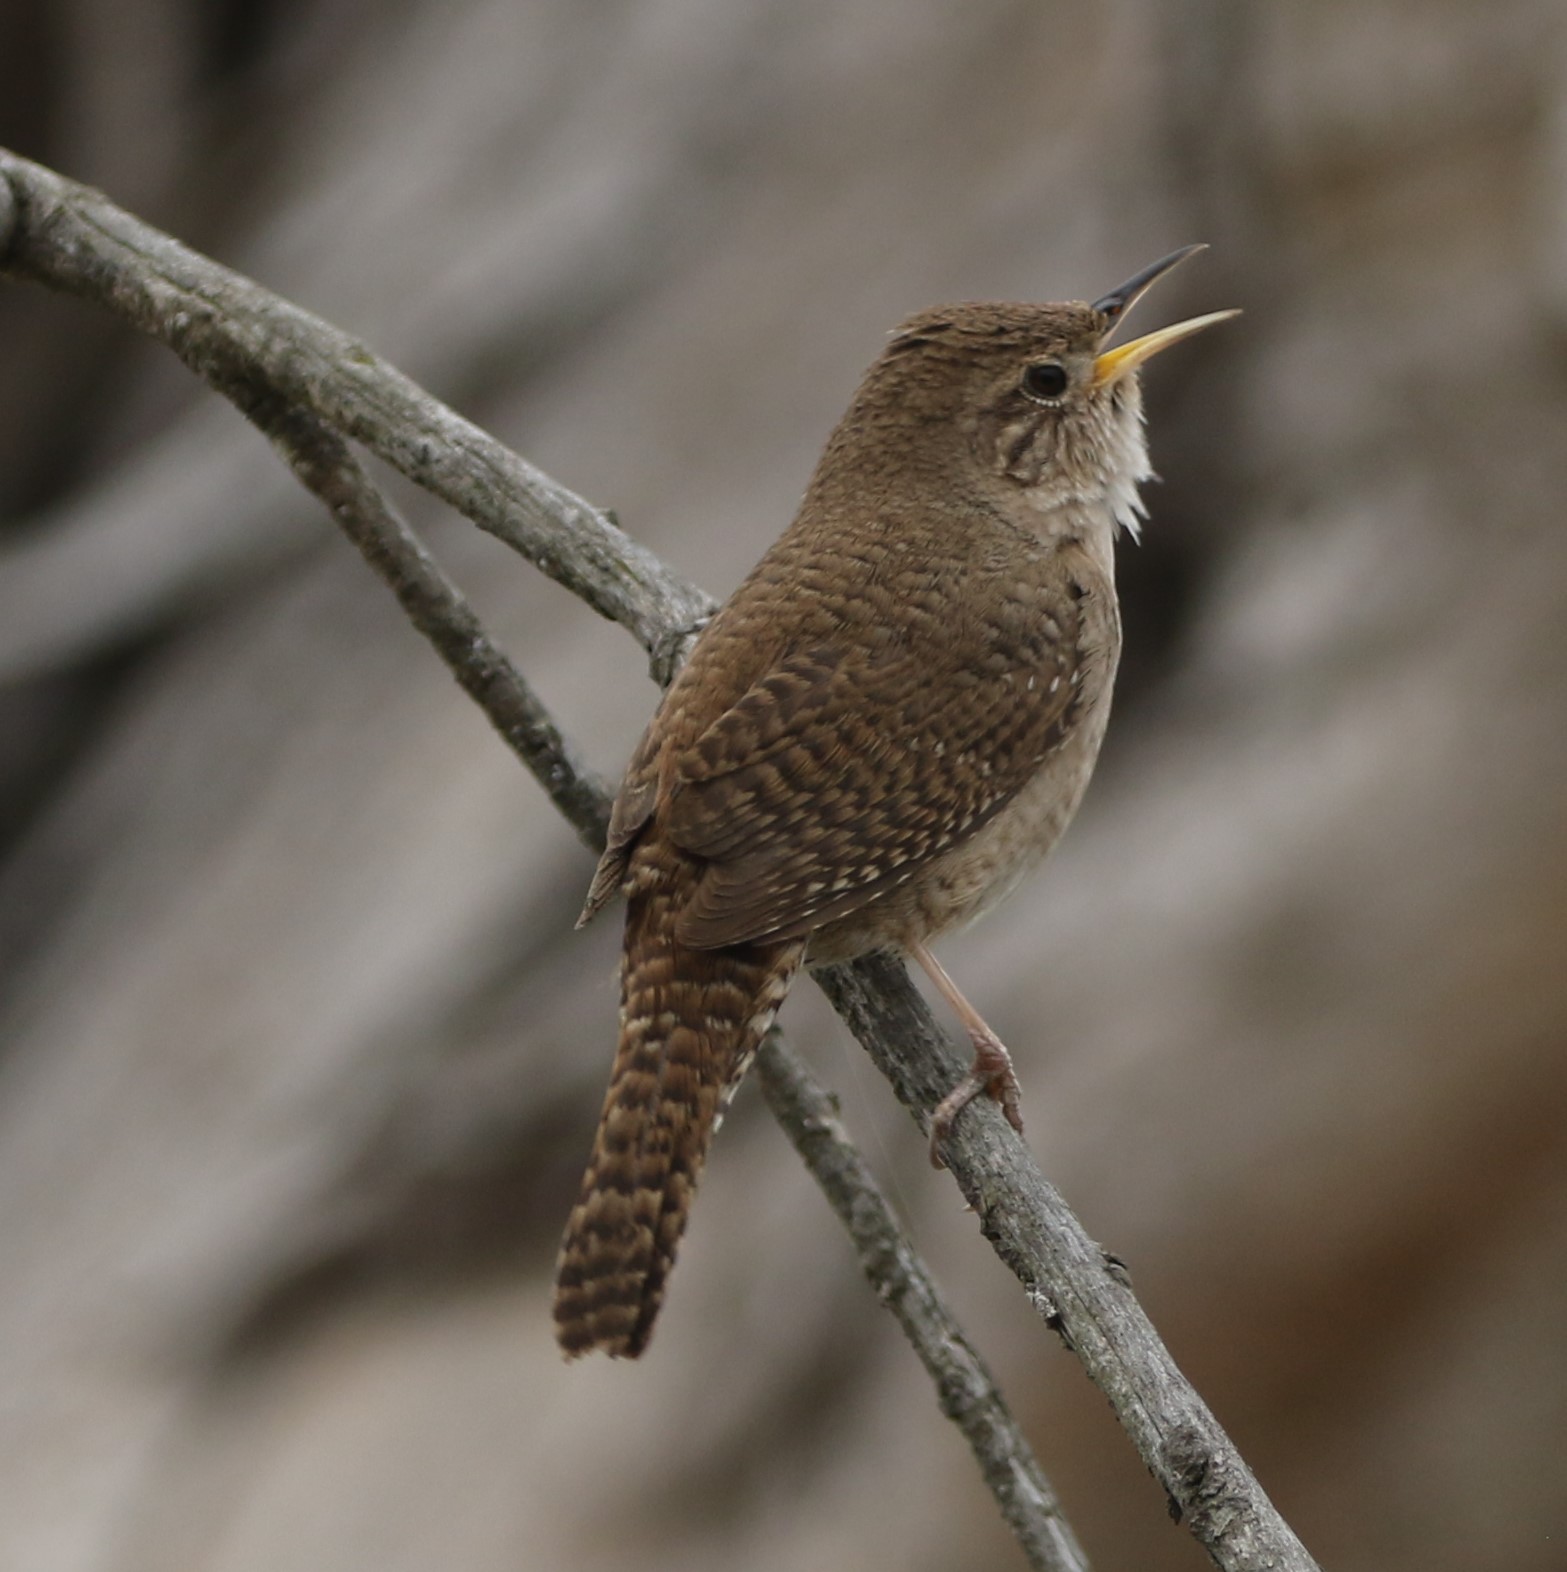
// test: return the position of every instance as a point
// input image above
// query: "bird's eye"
(1045, 381)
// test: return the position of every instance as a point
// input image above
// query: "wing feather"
(839, 775)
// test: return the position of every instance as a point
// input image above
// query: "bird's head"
(1029, 399)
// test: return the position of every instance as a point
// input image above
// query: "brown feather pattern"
(891, 718)
(806, 802)
(690, 1023)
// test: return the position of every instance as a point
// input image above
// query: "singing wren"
(885, 727)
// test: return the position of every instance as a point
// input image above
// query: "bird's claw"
(992, 1074)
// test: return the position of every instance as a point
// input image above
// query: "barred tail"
(690, 1024)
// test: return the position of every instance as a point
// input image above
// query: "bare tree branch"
(1080, 1290)
(968, 1392)
(326, 466)
(268, 355)
(234, 334)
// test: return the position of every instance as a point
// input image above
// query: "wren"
(888, 724)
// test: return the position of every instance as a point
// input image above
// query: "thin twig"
(1080, 1290)
(967, 1390)
(231, 331)
(325, 465)
(253, 347)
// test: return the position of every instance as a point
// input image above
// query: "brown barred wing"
(838, 776)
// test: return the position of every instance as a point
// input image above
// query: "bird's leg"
(991, 1071)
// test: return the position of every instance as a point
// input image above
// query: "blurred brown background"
(300, 1054)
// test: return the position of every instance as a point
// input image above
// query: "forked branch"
(309, 386)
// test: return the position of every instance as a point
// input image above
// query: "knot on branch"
(669, 651)
(1203, 1489)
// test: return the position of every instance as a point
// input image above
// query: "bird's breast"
(964, 883)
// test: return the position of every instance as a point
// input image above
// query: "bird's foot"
(992, 1074)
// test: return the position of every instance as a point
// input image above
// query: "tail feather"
(690, 1024)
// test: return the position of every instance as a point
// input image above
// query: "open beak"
(1116, 363)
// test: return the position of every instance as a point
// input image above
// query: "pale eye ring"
(1045, 381)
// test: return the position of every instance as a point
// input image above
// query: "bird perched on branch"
(885, 727)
